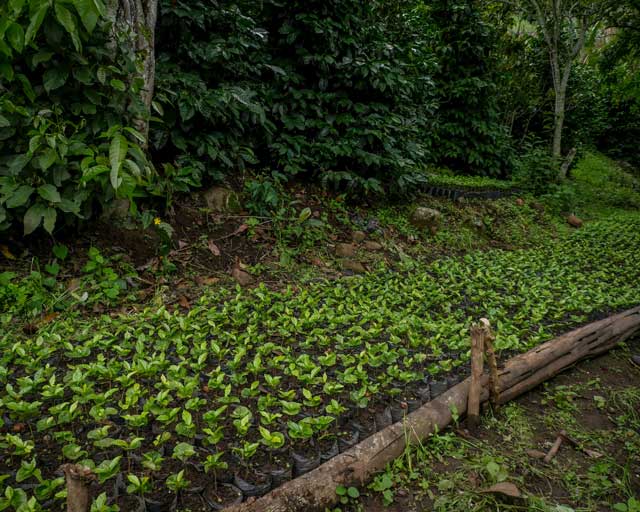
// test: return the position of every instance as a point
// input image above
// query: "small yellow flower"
(157, 221)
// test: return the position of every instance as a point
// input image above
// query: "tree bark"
(137, 18)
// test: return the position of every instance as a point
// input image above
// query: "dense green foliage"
(360, 97)
(323, 89)
(66, 103)
(343, 348)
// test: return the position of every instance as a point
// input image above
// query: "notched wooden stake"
(478, 333)
(78, 478)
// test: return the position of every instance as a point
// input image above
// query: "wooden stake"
(78, 478)
(493, 364)
(478, 333)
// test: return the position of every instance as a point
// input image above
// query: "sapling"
(138, 485)
(213, 463)
(152, 460)
(177, 482)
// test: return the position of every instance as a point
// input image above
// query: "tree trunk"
(138, 19)
(560, 89)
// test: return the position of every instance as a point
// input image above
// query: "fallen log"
(316, 490)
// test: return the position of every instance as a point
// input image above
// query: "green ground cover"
(247, 373)
(264, 383)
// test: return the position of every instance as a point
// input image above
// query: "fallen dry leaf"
(182, 244)
(215, 250)
(536, 454)
(6, 252)
(184, 302)
(242, 277)
(48, 318)
(592, 453)
(206, 281)
(504, 488)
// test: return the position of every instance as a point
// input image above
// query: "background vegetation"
(363, 97)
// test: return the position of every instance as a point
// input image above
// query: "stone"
(345, 250)
(243, 278)
(373, 225)
(426, 218)
(355, 266)
(358, 236)
(635, 359)
(221, 200)
(372, 246)
(117, 209)
(575, 221)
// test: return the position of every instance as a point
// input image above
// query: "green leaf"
(49, 219)
(118, 84)
(33, 218)
(60, 251)
(15, 36)
(353, 492)
(6, 70)
(136, 134)
(67, 20)
(4, 122)
(41, 57)
(47, 158)
(37, 17)
(49, 193)
(88, 13)
(16, 6)
(54, 78)
(19, 197)
(117, 155)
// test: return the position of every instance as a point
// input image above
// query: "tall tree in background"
(564, 25)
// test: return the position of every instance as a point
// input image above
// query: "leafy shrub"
(211, 67)
(322, 89)
(536, 170)
(67, 102)
(469, 135)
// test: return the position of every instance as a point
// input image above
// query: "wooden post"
(78, 478)
(477, 368)
(493, 363)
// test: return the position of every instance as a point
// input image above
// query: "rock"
(373, 225)
(370, 245)
(358, 236)
(118, 209)
(635, 359)
(221, 199)
(575, 221)
(345, 250)
(426, 218)
(355, 266)
(243, 278)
